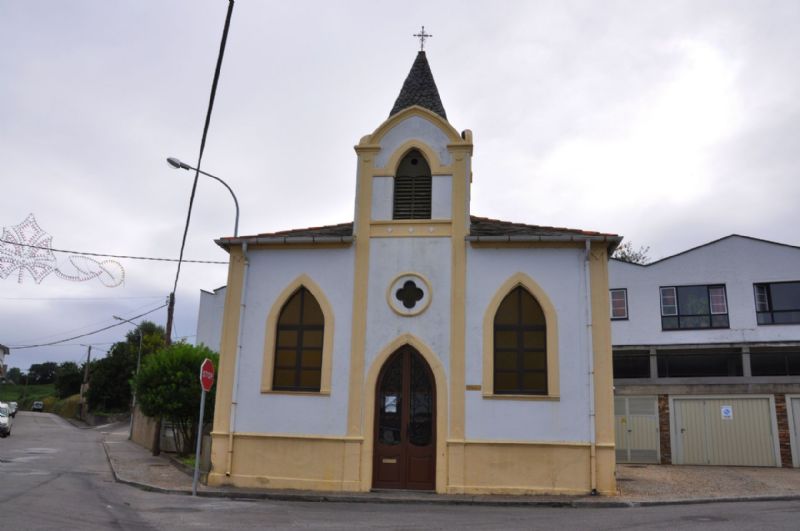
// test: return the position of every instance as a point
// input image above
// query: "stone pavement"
(639, 485)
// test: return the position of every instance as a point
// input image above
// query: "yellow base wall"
(333, 464)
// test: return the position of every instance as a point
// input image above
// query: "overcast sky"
(671, 123)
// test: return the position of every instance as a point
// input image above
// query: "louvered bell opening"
(412, 197)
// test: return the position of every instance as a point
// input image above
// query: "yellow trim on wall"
(431, 158)
(392, 121)
(411, 228)
(603, 370)
(551, 321)
(327, 338)
(370, 390)
(228, 346)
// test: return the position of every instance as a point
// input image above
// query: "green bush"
(168, 388)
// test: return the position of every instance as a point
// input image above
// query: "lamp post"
(177, 164)
(138, 364)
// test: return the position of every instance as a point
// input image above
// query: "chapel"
(418, 347)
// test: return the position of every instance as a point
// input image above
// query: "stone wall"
(663, 429)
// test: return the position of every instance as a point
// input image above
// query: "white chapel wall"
(270, 273)
(391, 257)
(418, 128)
(560, 273)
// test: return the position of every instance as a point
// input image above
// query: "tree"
(43, 373)
(168, 388)
(14, 375)
(68, 379)
(110, 377)
(627, 253)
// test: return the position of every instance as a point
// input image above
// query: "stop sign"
(207, 375)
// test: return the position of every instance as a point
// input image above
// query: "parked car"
(5, 420)
(38, 406)
(12, 409)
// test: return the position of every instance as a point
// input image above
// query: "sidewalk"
(639, 485)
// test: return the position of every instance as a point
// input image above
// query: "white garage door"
(724, 431)
(636, 429)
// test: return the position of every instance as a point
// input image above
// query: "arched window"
(520, 345)
(298, 344)
(412, 188)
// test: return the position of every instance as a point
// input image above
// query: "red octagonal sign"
(207, 375)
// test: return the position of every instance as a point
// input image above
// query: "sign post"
(206, 381)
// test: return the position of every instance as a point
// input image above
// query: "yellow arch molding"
(414, 110)
(433, 160)
(327, 338)
(370, 385)
(551, 320)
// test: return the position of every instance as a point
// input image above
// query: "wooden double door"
(405, 424)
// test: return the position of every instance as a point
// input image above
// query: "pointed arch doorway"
(404, 451)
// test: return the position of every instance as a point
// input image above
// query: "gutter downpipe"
(589, 334)
(235, 390)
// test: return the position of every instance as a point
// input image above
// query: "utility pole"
(170, 312)
(85, 385)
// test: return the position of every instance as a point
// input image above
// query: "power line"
(105, 255)
(76, 298)
(88, 333)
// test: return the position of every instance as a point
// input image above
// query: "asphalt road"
(55, 476)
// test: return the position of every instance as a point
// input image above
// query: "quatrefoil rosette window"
(409, 294)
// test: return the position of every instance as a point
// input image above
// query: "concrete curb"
(432, 499)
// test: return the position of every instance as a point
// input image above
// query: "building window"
(412, 188)
(619, 304)
(631, 364)
(693, 307)
(777, 303)
(699, 364)
(772, 362)
(520, 349)
(298, 345)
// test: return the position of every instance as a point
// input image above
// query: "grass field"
(14, 393)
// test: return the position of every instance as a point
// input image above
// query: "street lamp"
(177, 164)
(138, 364)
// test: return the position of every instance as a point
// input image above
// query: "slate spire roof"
(419, 88)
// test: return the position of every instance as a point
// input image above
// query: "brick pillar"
(663, 429)
(783, 431)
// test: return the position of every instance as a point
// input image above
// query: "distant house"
(209, 318)
(3, 367)
(706, 348)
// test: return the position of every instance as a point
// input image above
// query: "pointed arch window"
(299, 344)
(520, 345)
(412, 188)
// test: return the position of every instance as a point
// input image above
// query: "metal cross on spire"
(422, 36)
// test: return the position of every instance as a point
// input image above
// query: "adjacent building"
(419, 346)
(707, 355)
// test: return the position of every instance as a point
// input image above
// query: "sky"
(670, 123)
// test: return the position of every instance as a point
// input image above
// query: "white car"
(12, 409)
(5, 420)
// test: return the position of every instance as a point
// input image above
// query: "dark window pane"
(309, 379)
(284, 378)
(786, 317)
(775, 363)
(632, 365)
(505, 339)
(698, 364)
(505, 361)
(785, 296)
(290, 314)
(285, 358)
(695, 321)
(312, 338)
(693, 300)
(534, 360)
(505, 381)
(287, 338)
(312, 313)
(412, 188)
(534, 381)
(719, 321)
(520, 345)
(764, 318)
(669, 323)
(312, 358)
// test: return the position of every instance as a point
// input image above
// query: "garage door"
(724, 431)
(636, 429)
